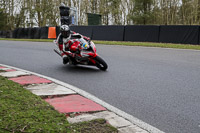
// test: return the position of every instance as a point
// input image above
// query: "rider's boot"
(65, 60)
(71, 58)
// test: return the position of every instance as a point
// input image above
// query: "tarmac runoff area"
(77, 104)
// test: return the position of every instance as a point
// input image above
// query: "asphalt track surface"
(157, 85)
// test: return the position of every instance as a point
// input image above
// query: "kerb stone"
(82, 118)
(132, 129)
(50, 89)
(13, 74)
(119, 122)
(105, 115)
(113, 119)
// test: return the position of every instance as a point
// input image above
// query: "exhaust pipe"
(55, 50)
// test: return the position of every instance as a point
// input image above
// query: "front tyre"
(100, 63)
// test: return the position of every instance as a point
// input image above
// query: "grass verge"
(29, 40)
(22, 111)
(144, 44)
(149, 44)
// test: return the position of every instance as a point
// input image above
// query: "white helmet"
(65, 31)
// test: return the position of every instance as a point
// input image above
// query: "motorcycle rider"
(65, 41)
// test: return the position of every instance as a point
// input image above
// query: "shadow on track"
(79, 69)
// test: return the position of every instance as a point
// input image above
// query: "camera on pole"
(65, 15)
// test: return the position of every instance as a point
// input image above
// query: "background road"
(159, 86)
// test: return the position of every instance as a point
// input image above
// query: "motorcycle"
(82, 52)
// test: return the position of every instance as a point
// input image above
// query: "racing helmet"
(65, 31)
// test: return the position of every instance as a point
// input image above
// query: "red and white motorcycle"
(83, 52)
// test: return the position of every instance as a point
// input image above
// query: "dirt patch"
(94, 126)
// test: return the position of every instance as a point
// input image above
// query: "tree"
(142, 12)
(3, 21)
(30, 13)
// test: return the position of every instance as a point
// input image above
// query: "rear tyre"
(100, 63)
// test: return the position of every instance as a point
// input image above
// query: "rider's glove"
(86, 38)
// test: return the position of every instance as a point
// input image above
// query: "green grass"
(144, 44)
(149, 44)
(31, 40)
(22, 111)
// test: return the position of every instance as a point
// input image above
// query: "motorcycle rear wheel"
(100, 63)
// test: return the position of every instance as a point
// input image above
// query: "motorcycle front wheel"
(100, 63)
